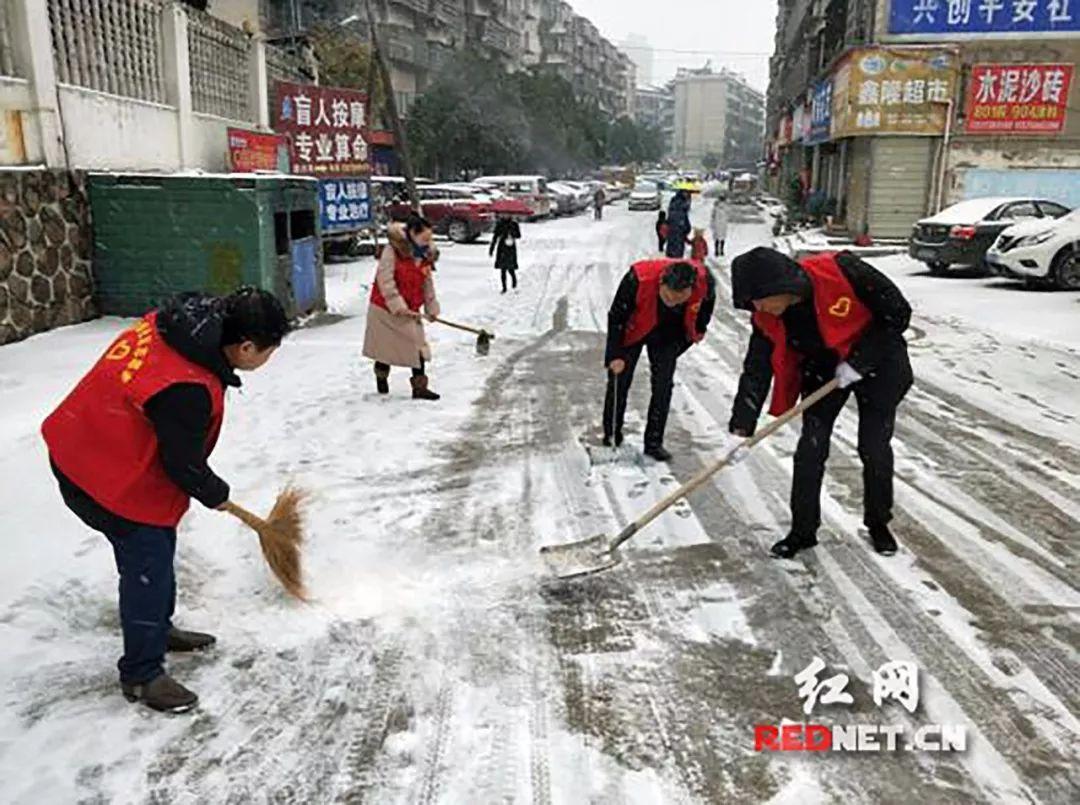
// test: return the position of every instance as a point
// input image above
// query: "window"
(302, 224)
(281, 233)
(1052, 210)
(1024, 209)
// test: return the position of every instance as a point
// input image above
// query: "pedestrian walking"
(828, 315)
(661, 230)
(699, 246)
(129, 448)
(599, 200)
(504, 246)
(719, 221)
(404, 285)
(663, 306)
(678, 219)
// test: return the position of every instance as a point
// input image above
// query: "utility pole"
(391, 107)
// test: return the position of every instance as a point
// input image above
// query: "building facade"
(420, 35)
(655, 107)
(892, 109)
(717, 113)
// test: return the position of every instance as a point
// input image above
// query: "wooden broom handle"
(713, 468)
(464, 327)
(251, 520)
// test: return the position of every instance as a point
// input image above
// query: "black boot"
(791, 545)
(883, 540)
(162, 693)
(181, 641)
(616, 441)
(658, 452)
(382, 380)
(420, 390)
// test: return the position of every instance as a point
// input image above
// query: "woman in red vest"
(403, 286)
(129, 448)
(824, 316)
(664, 306)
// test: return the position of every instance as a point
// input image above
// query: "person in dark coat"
(829, 315)
(663, 306)
(504, 246)
(599, 200)
(661, 230)
(678, 219)
(129, 448)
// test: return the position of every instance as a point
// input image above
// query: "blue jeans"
(144, 558)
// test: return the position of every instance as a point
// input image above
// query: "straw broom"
(281, 536)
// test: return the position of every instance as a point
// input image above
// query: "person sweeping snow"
(719, 222)
(826, 316)
(129, 448)
(404, 284)
(663, 306)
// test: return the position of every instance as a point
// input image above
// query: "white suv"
(1041, 251)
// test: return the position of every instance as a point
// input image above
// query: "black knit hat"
(763, 272)
(680, 276)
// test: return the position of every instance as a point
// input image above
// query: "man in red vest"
(129, 448)
(663, 306)
(829, 315)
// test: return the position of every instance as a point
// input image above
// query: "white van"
(533, 190)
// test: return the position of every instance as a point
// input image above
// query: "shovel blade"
(581, 558)
(483, 343)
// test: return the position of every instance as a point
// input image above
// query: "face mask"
(419, 252)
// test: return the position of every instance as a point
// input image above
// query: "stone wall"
(46, 245)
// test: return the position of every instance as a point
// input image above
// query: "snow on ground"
(438, 664)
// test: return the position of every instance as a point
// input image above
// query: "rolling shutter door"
(899, 183)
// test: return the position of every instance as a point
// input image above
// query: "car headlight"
(1035, 240)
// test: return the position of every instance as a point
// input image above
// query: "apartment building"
(895, 108)
(655, 107)
(717, 113)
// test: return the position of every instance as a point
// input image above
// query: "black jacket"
(506, 254)
(192, 325)
(625, 302)
(765, 272)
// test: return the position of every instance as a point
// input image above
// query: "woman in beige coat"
(403, 285)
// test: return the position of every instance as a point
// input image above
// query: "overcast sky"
(734, 33)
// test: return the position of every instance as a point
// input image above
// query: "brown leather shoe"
(162, 693)
(420, 390)
(182, 641)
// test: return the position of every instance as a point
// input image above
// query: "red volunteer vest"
(100, 438)
(645, 316)
(409, 276)
(841, 318)
(699, 249)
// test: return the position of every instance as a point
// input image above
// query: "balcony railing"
(449, 12)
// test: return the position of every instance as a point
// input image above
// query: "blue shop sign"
(951, 18)
(821, 113)
(344, 203)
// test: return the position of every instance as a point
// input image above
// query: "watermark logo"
(896, 681)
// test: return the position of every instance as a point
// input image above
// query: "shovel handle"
(710, 470)
(464, 327)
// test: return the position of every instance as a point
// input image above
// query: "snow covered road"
(438, 664)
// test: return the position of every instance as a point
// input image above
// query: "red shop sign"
(252, 150)
(326, 128)
(1017, 98)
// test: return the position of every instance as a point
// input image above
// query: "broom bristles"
(281, 536)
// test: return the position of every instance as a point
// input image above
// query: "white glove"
(847, 375)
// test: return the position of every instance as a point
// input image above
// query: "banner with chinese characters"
(1018, 98)
(893, 91)
(326, 128)
(952, 18)
(821, 113)
(344, 203)
(254, 151)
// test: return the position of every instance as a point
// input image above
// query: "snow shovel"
(596, 554)
(483, 337)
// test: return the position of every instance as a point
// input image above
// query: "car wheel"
(1066, 270)
(458, 231)
(938, 269)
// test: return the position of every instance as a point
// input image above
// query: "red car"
(501, 204)
(456, 213)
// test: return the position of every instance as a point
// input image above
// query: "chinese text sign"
(252, 150)
(983, 17)
(344, 203)
(326, 128)
(1019, 98)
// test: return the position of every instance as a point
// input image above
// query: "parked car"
(459, 215)
(501, 204)
(1040, 252)
(645, 196)
(616, 191)
(582, 193)
(962, 234)
(530, 189)
(566, 198)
